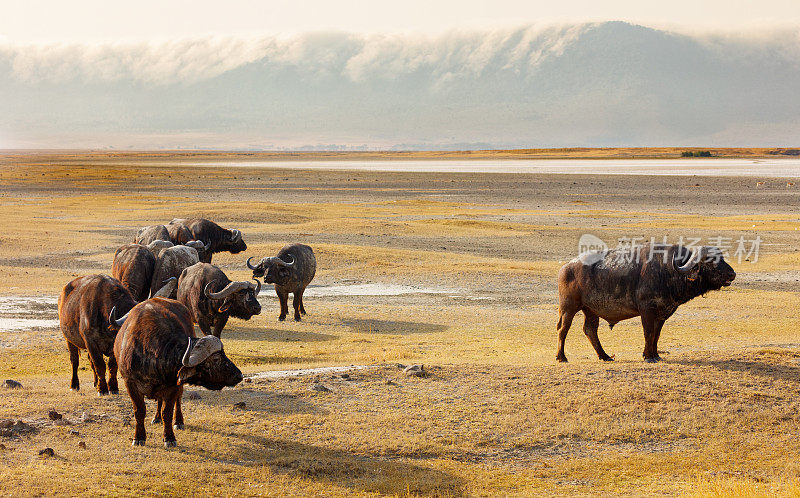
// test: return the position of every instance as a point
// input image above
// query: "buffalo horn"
(694, 259)
(236, 235)
(249, 265)
(167, 288)
(117, 322)
(258, 286)
(198, 352)
(227, 291)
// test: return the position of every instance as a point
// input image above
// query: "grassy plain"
(497, 416)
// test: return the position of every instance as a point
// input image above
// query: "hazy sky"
(403, 74)
(26, 21)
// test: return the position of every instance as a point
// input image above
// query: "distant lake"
(778, 167)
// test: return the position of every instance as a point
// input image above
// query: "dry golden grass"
(497, 416)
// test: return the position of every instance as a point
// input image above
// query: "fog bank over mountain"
(604, 84)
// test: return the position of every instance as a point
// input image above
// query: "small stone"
(54, 415)
(47, 452)
(240, 405)
(82, 445)
(86, 417)
(74, 433)
(345, 376)
(193, 395)
(415, 371)
(11, 384)
(390, 382)
(320, 388)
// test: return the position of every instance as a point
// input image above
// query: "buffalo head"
(238, 299)
(205, 364)
(273, 269)
(705, 263)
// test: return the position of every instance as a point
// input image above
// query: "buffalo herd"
(142, 317)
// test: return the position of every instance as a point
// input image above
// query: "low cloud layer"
(601, 84)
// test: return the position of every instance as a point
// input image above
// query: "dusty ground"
(496, 416)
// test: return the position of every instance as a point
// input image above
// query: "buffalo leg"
(283, 297)
(564, 323)
(649, 324)
(659, 326)
(112, 375)
(166, 414)
(99, 364)
(302, 308)
(74, 357)
(157, 416)
(139, 412)
(590, 325)
(178, 411)
(297, 302)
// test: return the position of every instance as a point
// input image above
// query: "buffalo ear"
(224, 307)
(694, 273)
(184, 374)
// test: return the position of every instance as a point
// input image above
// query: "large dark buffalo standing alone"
(209, 232)
(212, 298)
(85, 314)
(650, 281)
(133, 266)
(291, 271)
(158, 353)
(147, 235)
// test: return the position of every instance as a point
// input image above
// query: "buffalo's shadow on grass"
(336, 467)
(776, 371)
(275, 402)
(274, 335)
(369, 326)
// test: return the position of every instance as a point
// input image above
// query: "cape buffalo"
(147, 235)
(158, 353)
(212, 298)
(172, 261)
(650, 281)
(85, 315)
(209, 232)
(291, 271)
(133, 266)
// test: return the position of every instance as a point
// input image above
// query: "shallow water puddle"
(372, 289)
(282, 374)
(27, 313)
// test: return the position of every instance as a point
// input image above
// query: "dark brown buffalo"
(158, 353)
(84, 313)
(650, 281)
(291, 271)
(209, 232)
(147, 235)
(172, 261)
(212, 298)
(133, 266)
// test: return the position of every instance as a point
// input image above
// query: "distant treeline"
(696, 153)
